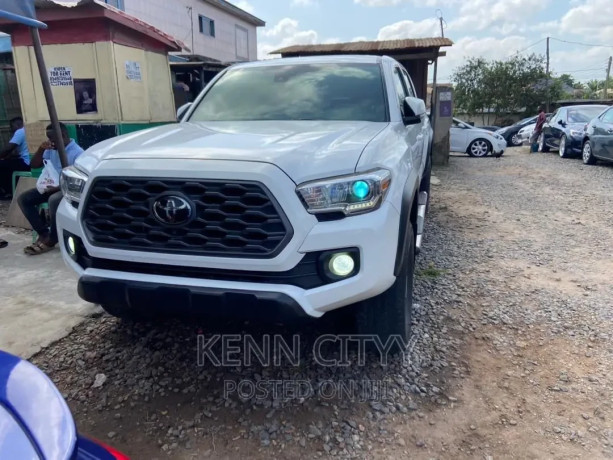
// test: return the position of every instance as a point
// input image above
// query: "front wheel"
(542, 145)
(388, 315)
(516, 141)
(479, 148)
(563, 151)
(586, 153)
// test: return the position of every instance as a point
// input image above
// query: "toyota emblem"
(172, 210)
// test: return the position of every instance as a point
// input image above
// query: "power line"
(579, 70)
(528, 47)
(580, 43)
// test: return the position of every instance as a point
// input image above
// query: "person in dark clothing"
(538, 128)
(14, 157)
(30, 200)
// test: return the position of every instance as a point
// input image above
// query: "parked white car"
(476, 142)
(525, 133)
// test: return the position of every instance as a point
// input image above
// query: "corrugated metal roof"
(366, 47)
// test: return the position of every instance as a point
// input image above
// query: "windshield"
(461, 124)
(526, 121)
(296, 92)
(584, 114)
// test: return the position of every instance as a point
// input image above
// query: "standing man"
(31, 199)
(15, 157)
(538, 129)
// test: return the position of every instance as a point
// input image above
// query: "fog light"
(341, 264)
(71, 245)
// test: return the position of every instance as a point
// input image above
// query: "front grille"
(230, 219)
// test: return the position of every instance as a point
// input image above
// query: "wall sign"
(60, 76)
(133, 71)
(445, 107)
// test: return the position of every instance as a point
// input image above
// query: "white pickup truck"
(291, 186)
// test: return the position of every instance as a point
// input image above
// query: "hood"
(304, 150)
(30, 403)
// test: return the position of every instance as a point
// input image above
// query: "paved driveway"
(38, 298)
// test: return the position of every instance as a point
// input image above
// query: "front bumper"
(499, 145)
(374, 234)
(575, 145)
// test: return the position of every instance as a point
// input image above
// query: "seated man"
(15, 157)
(29, 200)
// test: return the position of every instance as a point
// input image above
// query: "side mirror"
(183, 110)
(414, 110)
(561, 123)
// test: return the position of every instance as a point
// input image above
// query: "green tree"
(494, 88)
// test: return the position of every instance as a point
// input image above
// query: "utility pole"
(439, 14)
(548, 80)
(606, 82)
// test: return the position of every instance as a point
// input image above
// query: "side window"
(561, 115)
(409, 83)
(554, 117)
(401, 91)
(607, 117)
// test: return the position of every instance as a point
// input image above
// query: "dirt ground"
(519, 259)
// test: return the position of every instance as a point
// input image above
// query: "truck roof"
(331, 59)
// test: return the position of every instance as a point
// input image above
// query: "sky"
(493, 29)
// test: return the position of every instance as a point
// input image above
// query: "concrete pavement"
(39, 303)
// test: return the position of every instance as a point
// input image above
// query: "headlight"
(72, 182)
(349, 194)
(576, 133)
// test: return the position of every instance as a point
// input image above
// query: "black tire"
(483, 151)
(514, 140)
(587, 157)
(542, 146)
(563, 150)
(389, 314)
(128, 314)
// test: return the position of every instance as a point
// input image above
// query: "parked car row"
(585, 130)
(512, 133)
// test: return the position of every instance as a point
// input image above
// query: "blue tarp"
(21, 11)
(5, 44)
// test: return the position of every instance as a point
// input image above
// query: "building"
(108, 71)
(216, 33)
(212, 29)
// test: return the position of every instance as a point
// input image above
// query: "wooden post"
(42, 69)
(606, 82)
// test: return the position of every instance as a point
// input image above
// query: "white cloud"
(244, 5)
(510, 16)
(286, 32)
(410, 29)
(592, 19)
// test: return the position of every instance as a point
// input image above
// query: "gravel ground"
(510, 358)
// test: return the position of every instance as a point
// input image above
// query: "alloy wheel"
(587, 152)
(562, 150)
(479, 148)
